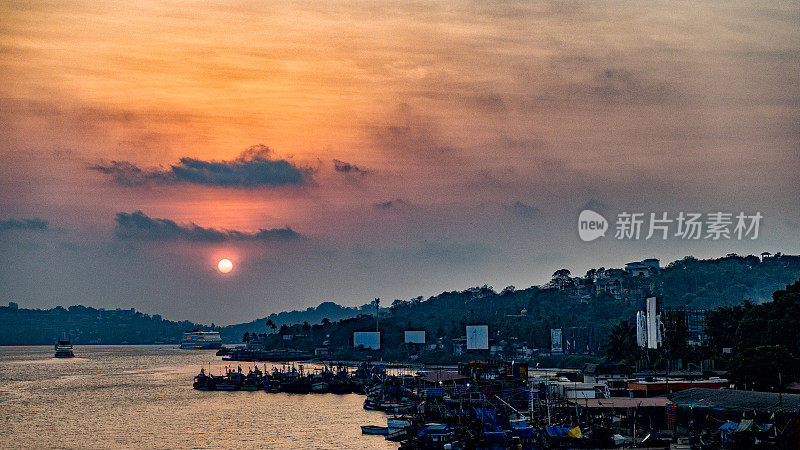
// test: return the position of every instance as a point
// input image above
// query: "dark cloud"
(413, 135)
(23, 224)
(139, 226)
(489, 102)
(389, 204)
(253, 168)
(623, 86)
(523, 210)
(347, 168)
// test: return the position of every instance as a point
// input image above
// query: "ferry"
(64, 349)
(201, 339)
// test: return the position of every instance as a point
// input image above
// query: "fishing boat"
(319, 386)
(374, 429)
(64, 349)
(203, 382)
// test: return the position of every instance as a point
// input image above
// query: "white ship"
(201, 339)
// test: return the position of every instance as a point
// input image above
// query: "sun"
(225, 265)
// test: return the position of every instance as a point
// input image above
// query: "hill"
(325, 310)
(84, 325)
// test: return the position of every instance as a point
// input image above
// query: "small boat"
(374, 429)
(64, 349)
(319, 386)
(397, 428)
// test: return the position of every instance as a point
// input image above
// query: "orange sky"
(457, 109)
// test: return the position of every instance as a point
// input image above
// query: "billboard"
(415, 337)
(641, 329)
(477, 337)
(653, 331)
(368, 339)
(556, 341)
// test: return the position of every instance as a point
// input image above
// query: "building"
(609, 285)
(685, 324)
(570, 390)
(660, 386)
(645, 267)
(658, 326)
(599, 373)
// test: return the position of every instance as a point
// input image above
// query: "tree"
(246, 337)
(270, 324)
(325, 321)
(621, 345)
(758, 367)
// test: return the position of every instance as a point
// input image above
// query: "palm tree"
(621, 345)
(271, 324)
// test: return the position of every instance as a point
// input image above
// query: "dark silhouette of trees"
(621, 345)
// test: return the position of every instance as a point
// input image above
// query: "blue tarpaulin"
(557, 431)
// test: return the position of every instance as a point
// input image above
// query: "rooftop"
(736, 399)
(436, 376)
(623, 402)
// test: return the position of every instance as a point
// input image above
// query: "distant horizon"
(356, 306)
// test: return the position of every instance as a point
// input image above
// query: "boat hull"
(373, 429)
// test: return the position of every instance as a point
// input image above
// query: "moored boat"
(374, 429)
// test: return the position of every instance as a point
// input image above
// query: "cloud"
(411, 135)
(347, 168)
(595, 205)
(623, 86)
(389, 204)
(23, 224)
(253, 168)
(523, 210)
(138, 226)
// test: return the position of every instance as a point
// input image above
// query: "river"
(142, 396)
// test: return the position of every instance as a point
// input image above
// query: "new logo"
(591, 225)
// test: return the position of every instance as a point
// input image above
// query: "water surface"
(141, 396)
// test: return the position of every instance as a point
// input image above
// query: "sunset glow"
(225, 265)
(345, 151)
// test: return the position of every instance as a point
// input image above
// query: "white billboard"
(415, 337)
(477, 337)
(368, 339)
(653, 334)
(641, 329)
(556, 341)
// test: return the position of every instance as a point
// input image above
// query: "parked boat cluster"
(292, 379)
(498, 405)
